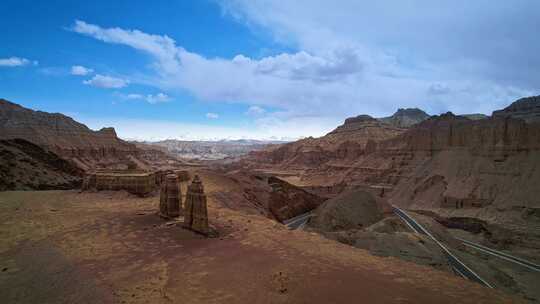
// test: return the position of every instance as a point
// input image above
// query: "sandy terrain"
(110, 247)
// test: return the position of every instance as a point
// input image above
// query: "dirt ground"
(111, 247)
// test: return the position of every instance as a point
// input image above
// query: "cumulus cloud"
(357, 57)
(158, 98)
(212, 116)
(106, 82)
(15, 62)
(79, 70)
(150, 98)
(487, 43)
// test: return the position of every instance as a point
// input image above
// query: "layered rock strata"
(26, 166)
(170, 199)
(61, 134)
(196, 212)
(136, 182)
(339, 147)
(287, 201)
(527, 108)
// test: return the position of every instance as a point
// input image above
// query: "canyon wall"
(341, 146)
(452, 162)
(62, 135)
(26, 166)
(445, 161)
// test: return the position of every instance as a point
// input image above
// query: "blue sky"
(263, 69)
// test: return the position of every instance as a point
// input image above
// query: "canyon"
(462, 176)
(209, 150)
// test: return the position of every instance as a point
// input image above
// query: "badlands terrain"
(463, 177)
(209, 150)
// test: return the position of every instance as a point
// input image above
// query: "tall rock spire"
(170, 198)
(196, 212)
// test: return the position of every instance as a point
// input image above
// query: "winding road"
(502, 255)
(457, 265)
(298, 222)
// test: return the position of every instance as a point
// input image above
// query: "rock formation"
(196, 212)
(62, 135)
(170, 197)
(350, 210)
(26, 166)
(344, 144)
(405, 118)
(287, 201)
(527, 108)
(453, 162)
(136, 182)
(442, 162)
(183, 176)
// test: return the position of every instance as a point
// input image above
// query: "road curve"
(502, 255)
(298, 222)
(457, 265)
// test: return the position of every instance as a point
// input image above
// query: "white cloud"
(339, 70)
(150, 98)
(134, 96)
(106, 82)
(158, 98)
(162, 47)
(255, 111)
(79, 70)
(212, 116)
(15, 61)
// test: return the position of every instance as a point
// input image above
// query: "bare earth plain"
(111, 247)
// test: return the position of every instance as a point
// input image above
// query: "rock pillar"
(163, 199)
(170, 199)
(196, 212)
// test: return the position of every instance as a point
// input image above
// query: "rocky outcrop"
(405, 118)
(489, 135)
(61, 134)
(527, 108)
(344, 144)
(354, 209)
(353, 124)
(450, 161)
(136, 182)
(196, 211)
(26, 166)
(287, 201)
(445, 161)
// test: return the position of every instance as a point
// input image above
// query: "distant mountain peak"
(359, 119)
(410, 111)
(405, 117)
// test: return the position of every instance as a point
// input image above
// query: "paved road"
(457, 265)
(298, 222)
(502, 255)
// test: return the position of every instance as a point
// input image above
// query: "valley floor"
(111, 247)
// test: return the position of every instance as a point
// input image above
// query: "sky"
(218, 69)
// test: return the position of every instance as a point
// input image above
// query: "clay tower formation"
(170, 198)
(196, 213)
